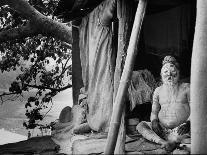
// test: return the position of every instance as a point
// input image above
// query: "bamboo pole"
(125, 18)
(199, 83)
(129, 64)
(120, 144)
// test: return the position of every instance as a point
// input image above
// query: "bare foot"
(169, 146)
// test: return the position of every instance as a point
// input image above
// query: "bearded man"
(170, 109)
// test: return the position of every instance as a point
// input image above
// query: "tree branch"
(7, 94)
(39, 22)
(17, 33)
(52, 89)
(64, 68)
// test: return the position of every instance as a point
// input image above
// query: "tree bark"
(49, 88)
(198, 82)
(39, 23)
(17, 33)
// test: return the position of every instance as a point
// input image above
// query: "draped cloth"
(167, 32)
(141, 88)
(97, 61)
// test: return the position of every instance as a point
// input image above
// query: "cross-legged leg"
(144, 128)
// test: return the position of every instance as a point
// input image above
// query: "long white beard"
(172, 90)
(171, 83)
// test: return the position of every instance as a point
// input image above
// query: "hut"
(101, 34)
(106, 33)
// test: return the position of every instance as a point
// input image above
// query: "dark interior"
(167, 30)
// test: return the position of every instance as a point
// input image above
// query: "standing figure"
(170, 113)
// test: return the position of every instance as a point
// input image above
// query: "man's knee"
(142, 126)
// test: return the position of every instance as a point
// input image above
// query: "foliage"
(44, 62)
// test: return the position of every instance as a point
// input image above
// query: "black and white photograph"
(103, 77)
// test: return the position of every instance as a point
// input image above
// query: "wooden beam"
(199, 83)
(77, 79)
(128, 68)
(125, 15)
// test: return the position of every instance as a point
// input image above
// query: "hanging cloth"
(141, 88)
(96, 52)
(167, 32)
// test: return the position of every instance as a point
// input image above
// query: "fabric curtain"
(96, 52)
(141, 88)
(167, 32)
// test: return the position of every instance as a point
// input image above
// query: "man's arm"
(155, 105)
(154, 114)
(185, 128)
(187, 89)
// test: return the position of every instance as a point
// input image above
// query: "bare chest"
(173, 98)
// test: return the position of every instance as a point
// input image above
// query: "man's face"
(169, 74)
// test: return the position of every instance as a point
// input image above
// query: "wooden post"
(199, 83)
(129, 64)
(76, 63)
(125, 13)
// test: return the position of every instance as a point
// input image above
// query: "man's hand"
(185, 128)
(157, 128)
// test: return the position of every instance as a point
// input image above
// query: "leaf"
(32, 99)
(32, 59)
(37, 103)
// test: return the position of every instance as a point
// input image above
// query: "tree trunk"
(38, 23)
(198, 82)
